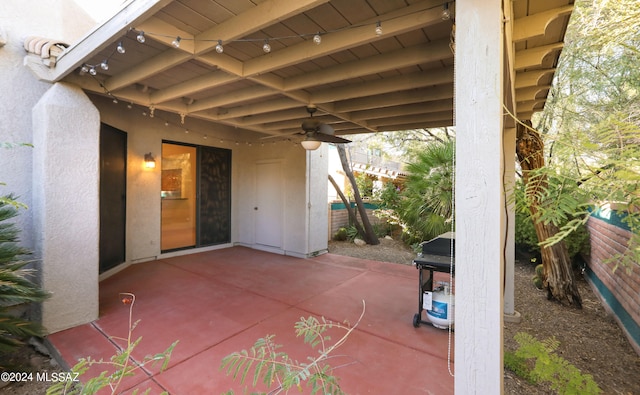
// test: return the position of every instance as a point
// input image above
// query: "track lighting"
(378, 29)
(219, 47)
(176, 42)
(140, 37)
(120, 48)
(317, 39)
(104, 65)
(266, 47)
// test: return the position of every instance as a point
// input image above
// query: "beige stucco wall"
(146, 134)
(64, 204)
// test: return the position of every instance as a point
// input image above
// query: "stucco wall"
(146, 134)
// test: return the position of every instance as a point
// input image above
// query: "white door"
(268, 207)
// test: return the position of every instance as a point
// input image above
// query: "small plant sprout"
(122, 363)
(276, 370)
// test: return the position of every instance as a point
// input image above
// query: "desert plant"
(341, 234)
(536, 362)
(121, 362)
(15, 286)
(265, 364)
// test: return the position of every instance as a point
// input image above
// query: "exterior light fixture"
(176, 42)
(93, 71)
(266, 47)
(120, 48)
(140, 37)
(84, 69)
(317, 39)
(149, 161)
(104, 65)
(378, 29)
(310, 145)
(219, 47)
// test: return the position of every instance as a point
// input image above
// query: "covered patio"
(222, 301)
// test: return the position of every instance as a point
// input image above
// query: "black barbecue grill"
(436, 256)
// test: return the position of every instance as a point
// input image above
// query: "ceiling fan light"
(310, 145)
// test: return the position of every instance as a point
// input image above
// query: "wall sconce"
(310, 145)
(149, 161)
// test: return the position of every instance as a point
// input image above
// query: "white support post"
(479, 197)
(509, 225)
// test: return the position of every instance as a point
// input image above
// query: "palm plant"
(426, 206)
(15, 286)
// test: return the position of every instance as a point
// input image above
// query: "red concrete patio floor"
(221, 301)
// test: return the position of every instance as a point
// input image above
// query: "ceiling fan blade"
(326, 129)
(327, 138)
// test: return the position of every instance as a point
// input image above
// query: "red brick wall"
(623, 283)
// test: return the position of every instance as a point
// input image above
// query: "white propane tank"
(442, 309)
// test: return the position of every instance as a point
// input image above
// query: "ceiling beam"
(393, 84)
(255, 18)
(395, 99)
(207, 81)
(157, 64)
(240, 95)
(407, 109)
(533, 57)
(535, 25)
(532, 78)
(338, 41)
(411, 119)
(411, 56)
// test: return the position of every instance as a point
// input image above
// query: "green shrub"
(537, 362)
(15, 286)
(340, 235)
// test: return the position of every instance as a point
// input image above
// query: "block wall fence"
(339, 217)
(619, 289)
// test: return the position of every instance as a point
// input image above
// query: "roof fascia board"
(101, 37)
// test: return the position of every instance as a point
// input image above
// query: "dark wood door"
(113, 190)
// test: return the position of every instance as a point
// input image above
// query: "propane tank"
(441, 311)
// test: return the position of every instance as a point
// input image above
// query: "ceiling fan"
(316, 132)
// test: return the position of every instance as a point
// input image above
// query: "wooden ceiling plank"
(165, 33)
(536, 25)
(426, 117)
(407, 109)
(395, 99)
(198, 84)
(388, 85)
(252, 20)
(259, 108)
(417, 125)
(404, 57)
(157, 64)
(253, 92)
(338, 41)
